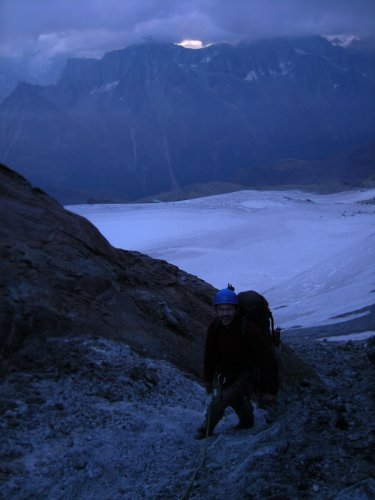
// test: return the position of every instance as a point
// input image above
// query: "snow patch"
(108, 87)
(284, 68)
(353, 336)
(251, 76)
(302, 52)
(342, 40)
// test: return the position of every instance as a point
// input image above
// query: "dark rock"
(35, 400)
(294, 370)
(60, 276)
(342, 423)
(370, 350)
(6, 404)
(363, 490)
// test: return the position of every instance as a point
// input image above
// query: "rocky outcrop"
(60, 276)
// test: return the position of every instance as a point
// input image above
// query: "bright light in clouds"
(191, 44)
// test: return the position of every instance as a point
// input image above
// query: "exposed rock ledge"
(60, 276)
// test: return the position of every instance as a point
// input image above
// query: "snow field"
(313, 256)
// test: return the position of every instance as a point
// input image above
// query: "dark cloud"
(45, 28)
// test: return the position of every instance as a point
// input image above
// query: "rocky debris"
(90, 417)
(360, 491)
(319, 440)
(371, 349)
(294, 370)
(100, 421)
(59, 275)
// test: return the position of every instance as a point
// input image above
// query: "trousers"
(229, 395)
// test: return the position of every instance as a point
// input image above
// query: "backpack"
(255, 308)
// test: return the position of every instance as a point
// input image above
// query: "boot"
(246, 416)
(244, 425)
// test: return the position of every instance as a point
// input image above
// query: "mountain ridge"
(60, 276)
(157, 117)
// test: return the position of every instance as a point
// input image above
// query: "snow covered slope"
(312, 255)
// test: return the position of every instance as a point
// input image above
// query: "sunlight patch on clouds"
(191, 44)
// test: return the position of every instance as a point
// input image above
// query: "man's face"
(226, 313)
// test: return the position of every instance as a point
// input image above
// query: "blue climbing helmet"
(225, 296)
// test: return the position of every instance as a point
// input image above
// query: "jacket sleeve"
(210, 353)
(264, 357)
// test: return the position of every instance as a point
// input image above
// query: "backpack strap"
(273, 337)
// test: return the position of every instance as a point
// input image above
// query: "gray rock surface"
(60, 276)
(89, 418)
(364, 490)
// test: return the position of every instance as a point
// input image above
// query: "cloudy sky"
(43, 29)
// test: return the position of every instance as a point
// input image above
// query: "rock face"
(12, 71)
(340, 172)
(59, 275)
(156, 117)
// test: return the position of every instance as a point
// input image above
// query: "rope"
(189, 487)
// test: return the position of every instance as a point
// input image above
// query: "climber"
(238, 364)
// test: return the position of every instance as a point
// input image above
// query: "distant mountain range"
(12, 71)
(157, 117)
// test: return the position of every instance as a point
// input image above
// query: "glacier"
(312, 255)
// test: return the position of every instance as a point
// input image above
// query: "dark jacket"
(239, 348)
